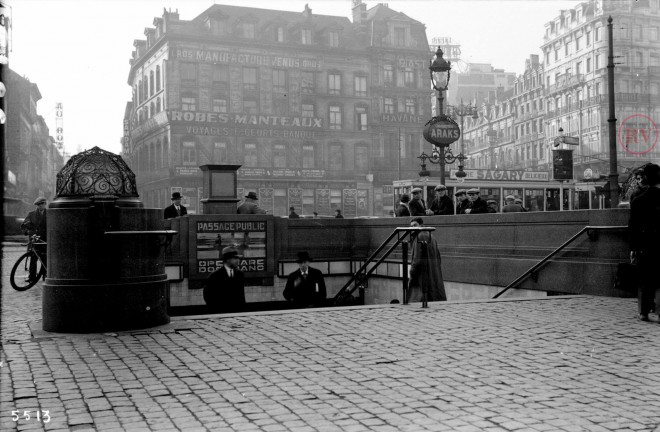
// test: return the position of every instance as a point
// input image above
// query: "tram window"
(490, 194)
(581, 200)
(516, 193)
(534, 199)
(552, 200)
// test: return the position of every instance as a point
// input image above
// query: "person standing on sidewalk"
(425, 267)
(250, 205)
(35, 224)
(644, 228)
(176, 209)
(225, 288)
(305, 287)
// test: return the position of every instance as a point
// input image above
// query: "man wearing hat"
(461, 201)
(305, 287)
(491, 206)
(225, 288)
(250, 205)
(35, 224)
(402, 210)
(176, 209)
(441, 204)
(426, 282)
(519, 203)
(510, 205)
(416, 204)
(475, 204)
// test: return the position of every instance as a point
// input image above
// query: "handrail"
(359, 277)
(555, 252)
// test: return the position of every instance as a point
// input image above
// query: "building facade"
(32, 159)
(321, 113)
(479, 82)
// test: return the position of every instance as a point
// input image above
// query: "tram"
(536, 188)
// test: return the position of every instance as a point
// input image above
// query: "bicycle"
(20, 274)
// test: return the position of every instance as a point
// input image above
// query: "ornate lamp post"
(441, 130)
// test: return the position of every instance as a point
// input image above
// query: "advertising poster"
(323, 201)
(248, 237)
(266, 200)
(363, 202)
(189, 200)
(295, 199)
(350, 202)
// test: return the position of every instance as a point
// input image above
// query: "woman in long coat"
(425, 269)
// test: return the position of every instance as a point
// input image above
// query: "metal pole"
(404, 253)
(398, 142)
(611, 121)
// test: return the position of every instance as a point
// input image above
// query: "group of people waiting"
(467, 202)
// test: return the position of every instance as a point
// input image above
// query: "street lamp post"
(611, 121)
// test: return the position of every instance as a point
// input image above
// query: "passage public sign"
(442, 132)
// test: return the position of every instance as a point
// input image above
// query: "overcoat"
(170, 212)
(250, 207)
(425, 270)
(35, 223)
(225, 294)
(306, 291)
(442, 206)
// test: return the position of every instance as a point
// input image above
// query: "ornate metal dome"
(96, 172)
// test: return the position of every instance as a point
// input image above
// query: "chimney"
(307, 13)
(359, 12)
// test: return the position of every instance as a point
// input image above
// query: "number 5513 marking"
(40, 416)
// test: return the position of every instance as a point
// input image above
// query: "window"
(280, 34)
(308, 156)
(578, 43)
(188, 153)
(250, 156)
(334, 83)
(361, 118)
(410, 106)
(556, 54)
(219, 105)
(360, 86)
(598, 65)
(333, 39)
(588, 38)
(388, 74)
(188, 74)
(250, 106)
(335, 117)
(637, 32)
(279, 83)
(399, 36)
(248, 30)
(217, 27)
(653, 33)
(361, 157)
(220, 153)
(158, 107)
(306, 36)
(307, 82)
(578, 68)
(188, 103)
(639, 60)
(279, 156)
(336, 157)
(408, 77)
(152, 83)
(152, 109)
(598, 33)
(388, 107)
(307, 110)
(249, 79)
(220, 78)
(654, 59)
(567, 49)
(588, 64)
(157, 78)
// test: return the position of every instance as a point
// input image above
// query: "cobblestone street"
(558, 364)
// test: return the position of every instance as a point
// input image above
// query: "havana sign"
(442, 132)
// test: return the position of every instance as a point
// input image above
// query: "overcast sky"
(77, 51)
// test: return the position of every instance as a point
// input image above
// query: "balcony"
(565, 82)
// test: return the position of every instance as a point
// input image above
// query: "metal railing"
(537, 266)
(360, 277)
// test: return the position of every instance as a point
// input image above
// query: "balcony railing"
(566, 81)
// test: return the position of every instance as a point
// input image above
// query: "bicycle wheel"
(20, 273)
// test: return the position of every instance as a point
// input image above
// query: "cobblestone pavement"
(557, 364)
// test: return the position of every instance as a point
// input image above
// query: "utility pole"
(611, 121)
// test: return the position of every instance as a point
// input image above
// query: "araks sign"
(442, 132)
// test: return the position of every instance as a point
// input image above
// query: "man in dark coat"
(416, 205)
(176, 209)
(425, 267)
(250, 205)
(519, 202)
(305, 287)
(338, 214)
(225, 288)
(510, 206)
(462, 201)
(476, 205)
(441, 204)
(644, 227)
(402, 210)
(293, 214)
(35, 223)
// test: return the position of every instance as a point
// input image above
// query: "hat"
(303, 256)
(491, 202)
(405, 198)
(460, 192)
(40, 200)
(415, 190)
(473, 190)
(176, 195)
(229, 252)
(441, 187)
(419, 220)
(252, 195)
(509, 197)
(518, 201)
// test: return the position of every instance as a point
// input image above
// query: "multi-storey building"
(321, 112)
(32, 159)
(575, 50)
(478, 83)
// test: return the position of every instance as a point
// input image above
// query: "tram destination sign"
(442, 132)
(503, 175)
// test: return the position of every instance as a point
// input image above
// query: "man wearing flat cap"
(475, 205)
(461, 201)
(441, 204)
(416, 205)
(519, 202)
(250, 205)
(225, 288)
(305, 287)
(35, 224)
(176, 209)
(510, 205)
